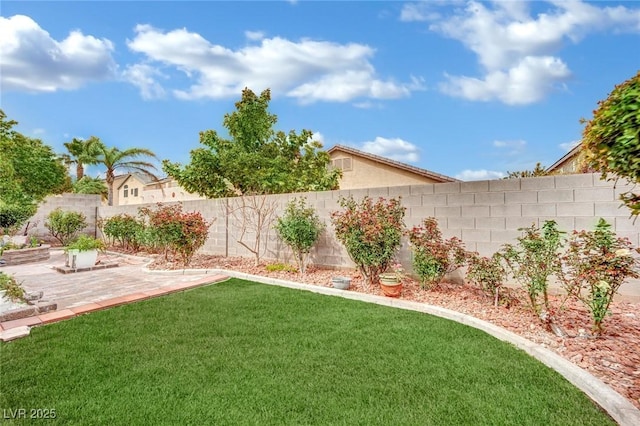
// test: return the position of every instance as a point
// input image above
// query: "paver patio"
(84, 288)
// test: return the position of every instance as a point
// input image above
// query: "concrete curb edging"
(617, 406)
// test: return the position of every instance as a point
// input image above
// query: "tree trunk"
(110, 178)
(79, 171)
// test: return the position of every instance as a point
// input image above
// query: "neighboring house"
(363, 170)
(568, 163)
(137, 188)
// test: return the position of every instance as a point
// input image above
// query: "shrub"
(371, 233)
(535, 258)
(487, 273)
(13, 289)
(174, 230)
(280, 267)
(596, 264)
(125, 230)
(299, 228)
(85, 243)
(65, 225)
(434, 257)
(12, 216)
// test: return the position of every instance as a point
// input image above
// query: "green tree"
(90, 185)
(114, 159)
(538, 170)
(29, 169)
(82, 152)
(611, 139)
(256, 159)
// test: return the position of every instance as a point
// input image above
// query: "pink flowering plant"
(596, 264)
(371, 232)
(433, 256)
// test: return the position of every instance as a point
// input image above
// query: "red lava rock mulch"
(614, 357)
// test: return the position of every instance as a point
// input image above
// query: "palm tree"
(114, 159)
(82, 152)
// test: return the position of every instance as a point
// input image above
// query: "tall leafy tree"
(255, 159)
(29, 171)
(611, 139)
(82, 152)
(127, 160)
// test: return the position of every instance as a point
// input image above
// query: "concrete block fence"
(484, 214)
(86, 204)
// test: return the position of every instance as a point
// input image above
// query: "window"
(126, 191)
(134, 192)
(343, 164)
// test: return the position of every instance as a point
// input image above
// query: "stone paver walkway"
(83, 292)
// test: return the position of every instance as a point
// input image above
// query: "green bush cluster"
(13, 289)
(299, 228)
(166, 229)
(12, 216)
(126, 231)
(65, 225)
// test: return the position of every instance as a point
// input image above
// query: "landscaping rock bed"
(614, 357)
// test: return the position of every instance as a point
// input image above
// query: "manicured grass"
(246, 353)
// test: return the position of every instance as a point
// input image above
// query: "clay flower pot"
(390, 284)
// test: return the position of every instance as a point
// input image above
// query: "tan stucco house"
(570, 163)
(137, 188)
(363, 170)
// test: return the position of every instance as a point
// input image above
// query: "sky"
(468, 89)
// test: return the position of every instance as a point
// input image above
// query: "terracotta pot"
(391, 290)
(390, 284)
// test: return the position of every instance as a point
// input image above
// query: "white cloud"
(33, 61)
(482, 174)
(526, 82)
(510, 148)
(254, 35)
(568, 146)
(317, 136)
(307, 70)
(395, 149)
(144, 76)
(38, 131)
(518, 51)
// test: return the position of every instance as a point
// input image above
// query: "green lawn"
(246, 353)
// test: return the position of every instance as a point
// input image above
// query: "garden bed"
(26, 255)
(614, 358)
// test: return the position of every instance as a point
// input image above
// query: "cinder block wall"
(484, 214)
(86, 204)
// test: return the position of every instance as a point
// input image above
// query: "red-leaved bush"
(182, 233)
(371, 233)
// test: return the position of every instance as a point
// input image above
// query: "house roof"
(393, 163)
(140, 176)
(569, 155)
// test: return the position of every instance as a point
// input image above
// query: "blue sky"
(464, 88)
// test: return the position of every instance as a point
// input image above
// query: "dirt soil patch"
(614, 357)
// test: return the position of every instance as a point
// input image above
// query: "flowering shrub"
(299, 228)
(174, 230)
(487, 273)
(65, 225)
(596, 264)
(434, 257)
(371, 233)
(535, 258)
